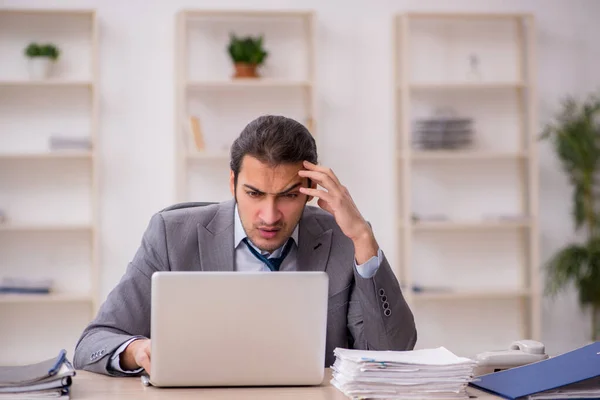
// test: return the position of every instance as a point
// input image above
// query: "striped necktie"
(274, 262)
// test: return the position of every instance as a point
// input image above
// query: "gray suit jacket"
(201, 239)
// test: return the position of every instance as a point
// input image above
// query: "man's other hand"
(136, 355)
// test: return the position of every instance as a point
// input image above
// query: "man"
(274, 173)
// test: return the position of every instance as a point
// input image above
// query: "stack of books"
(418, 374)
(25, 285)
(48, 379)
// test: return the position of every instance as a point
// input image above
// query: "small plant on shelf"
(41, 59)
(247, 54)
(575, 137)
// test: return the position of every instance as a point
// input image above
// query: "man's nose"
(269, 212)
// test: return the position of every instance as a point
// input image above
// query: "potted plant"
(247, 54)
(575, 136)
(41, 59)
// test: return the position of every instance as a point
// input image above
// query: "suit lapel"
(215, 240)
(314, 245)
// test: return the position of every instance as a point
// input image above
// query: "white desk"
(87, 385)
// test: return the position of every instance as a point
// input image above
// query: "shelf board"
(55, 155)
(465, 85)
(22, 227)
(467, 225)
(48, 11)
(209, 155)
(247, 13)
(45, 298)
(477, 16)
(472, 294)
(46, 83)
(457, 155)
(249, 83)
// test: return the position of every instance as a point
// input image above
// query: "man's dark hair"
(273, 140)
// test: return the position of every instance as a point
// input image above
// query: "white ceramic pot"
(40, 67)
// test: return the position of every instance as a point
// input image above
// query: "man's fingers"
(327, 171)
(321, 194)
(325, 206)
(322, 179)
(146, 366)
(144, 358)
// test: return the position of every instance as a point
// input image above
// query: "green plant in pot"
(41, 58)
(247, 54)
(575, 137)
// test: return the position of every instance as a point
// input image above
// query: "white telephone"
(520, 352)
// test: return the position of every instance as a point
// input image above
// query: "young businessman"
(266, 227)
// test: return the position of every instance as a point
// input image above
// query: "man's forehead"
(254, 164)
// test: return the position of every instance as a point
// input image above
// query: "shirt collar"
(240, 233)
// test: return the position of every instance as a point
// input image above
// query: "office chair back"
(189, 204)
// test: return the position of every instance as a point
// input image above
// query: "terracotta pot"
(245, 70)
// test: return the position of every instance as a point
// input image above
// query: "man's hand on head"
(336, 200)
(136, 355)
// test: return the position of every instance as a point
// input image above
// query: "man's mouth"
(268, 233)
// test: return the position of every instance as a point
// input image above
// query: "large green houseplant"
(247, 54)
(575, 136)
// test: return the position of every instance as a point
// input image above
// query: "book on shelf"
(62, 143)
(416, 288)
(10, 285)
(46, 379)
(196, 131)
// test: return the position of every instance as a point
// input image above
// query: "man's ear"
(232, 182)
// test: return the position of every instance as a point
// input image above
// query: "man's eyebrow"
(294, 186)
(254, 189)
(290, 188)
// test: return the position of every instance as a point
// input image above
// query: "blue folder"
(556, 372)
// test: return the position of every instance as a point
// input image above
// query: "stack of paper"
(419, 374)
(47, 379)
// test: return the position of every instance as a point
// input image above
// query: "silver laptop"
(238, 328)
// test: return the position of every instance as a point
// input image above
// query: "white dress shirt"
(246, 261)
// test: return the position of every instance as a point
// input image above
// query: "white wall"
(355, 113)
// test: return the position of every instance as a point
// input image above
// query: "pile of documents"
(48, 379)
(418, 374)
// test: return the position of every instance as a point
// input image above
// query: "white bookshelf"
(46, 83)
(50, 197)
(10, 227)
(472, 295)
(466, 86)
(205, 89)
(468, 225)
(446, 155)
(55, 155)
(45, 298)
(249, 83)
(488, 266)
